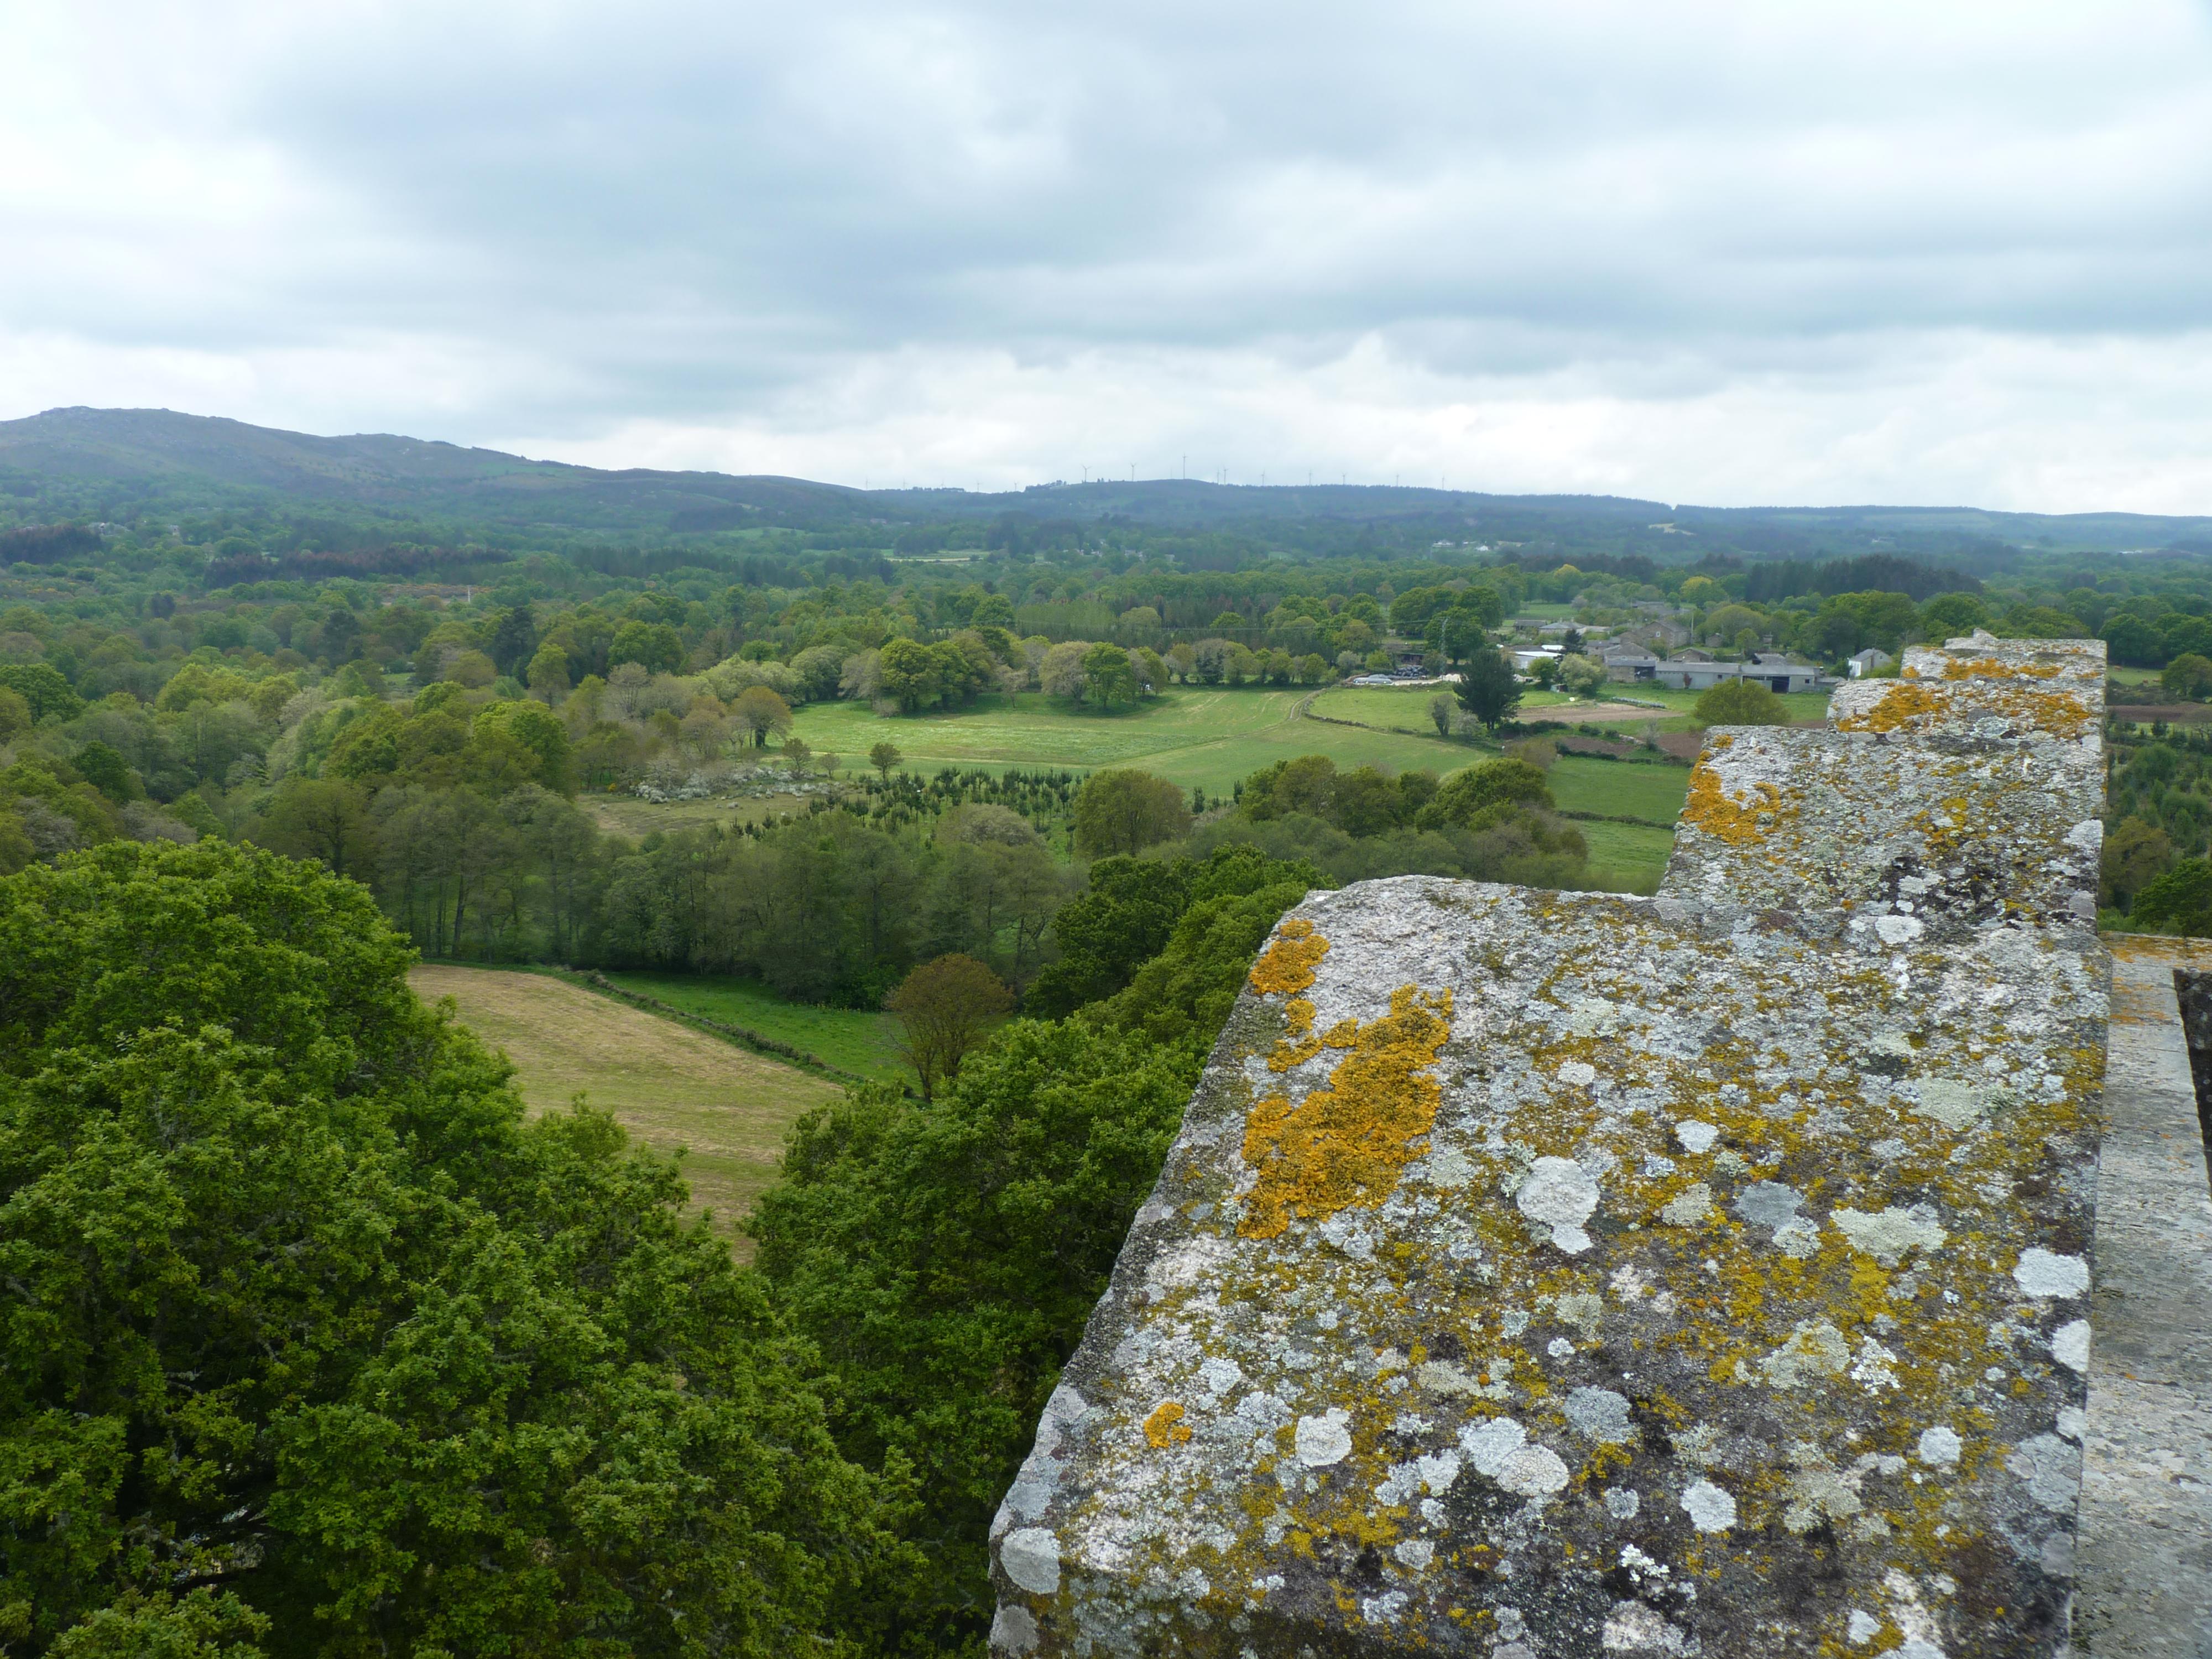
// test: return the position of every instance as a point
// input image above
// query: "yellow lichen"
(1165, 1427)
(1989, 668)
(2062, 714)
(1346, 1144)
(1716, 812)
(1905, 701)
(1288, 963)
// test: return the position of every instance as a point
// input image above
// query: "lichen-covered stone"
(1546, 1273)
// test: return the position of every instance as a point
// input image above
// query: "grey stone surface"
(2145, 1559)
(1543, 1273)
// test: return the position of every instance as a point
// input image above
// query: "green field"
(620, 814)
(851, 1039)
(1211, 738)
(1635, 789)
(1627, 856)
(1407, 709)
(1801, 705)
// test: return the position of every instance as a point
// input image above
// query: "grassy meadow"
(851, 1039)
(1207, 737)
(1210, 737)
(670, 1086)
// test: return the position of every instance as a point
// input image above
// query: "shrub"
(1741, 703)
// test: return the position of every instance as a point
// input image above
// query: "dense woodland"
(315, 1346)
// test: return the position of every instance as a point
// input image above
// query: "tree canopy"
(1125, 810)
(315, 1345)
(1488, 689)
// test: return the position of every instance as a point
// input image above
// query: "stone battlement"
(1546, 1273)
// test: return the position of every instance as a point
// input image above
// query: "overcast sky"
(1732, 254)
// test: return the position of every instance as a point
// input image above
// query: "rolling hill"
(120, 463)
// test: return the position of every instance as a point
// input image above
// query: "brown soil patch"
(1575, 714)
(670, 1086)
(2174, 714)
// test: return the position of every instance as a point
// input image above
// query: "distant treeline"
(1883, 572)
(47, 543)
(230, 569)
(748, 570)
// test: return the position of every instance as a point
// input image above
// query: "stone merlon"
(1548, 1274)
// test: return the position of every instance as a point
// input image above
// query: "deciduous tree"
(2188, 676)
(760, 711)
(383, 1366)
(946, 1007)
(1125, 810)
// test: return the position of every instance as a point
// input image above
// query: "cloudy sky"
(1724, 253)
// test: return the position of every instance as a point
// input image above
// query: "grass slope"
(852, 1039)
(668, 1085)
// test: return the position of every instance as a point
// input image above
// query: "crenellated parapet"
(1546, 1273)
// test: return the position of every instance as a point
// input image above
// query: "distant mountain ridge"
(154, 447)
(137, 458)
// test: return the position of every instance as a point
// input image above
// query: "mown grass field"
(1211, 739)
(1407, 709)
(851, 1039)
(669, 1085)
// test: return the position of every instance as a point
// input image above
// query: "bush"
(1741, 703)
(1464, 795)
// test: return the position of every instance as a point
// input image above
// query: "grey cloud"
(700, 214)
(862, 176)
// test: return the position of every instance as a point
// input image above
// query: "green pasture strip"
(850, 1039)
(1649, 790)
(1385, 709)
(1628, 858)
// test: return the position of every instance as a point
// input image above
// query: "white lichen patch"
(1709, 1507)
(1559, 1195)
(1690, 1207)
(1323, 1440)
(1888, 1236)
(1696, 1135)
(1940, 1447)
(2040, 1273)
